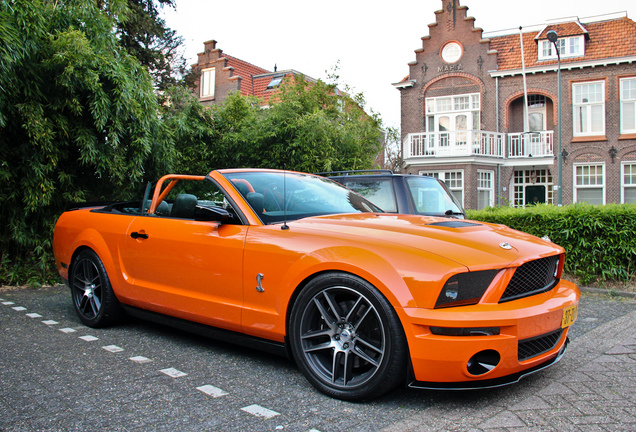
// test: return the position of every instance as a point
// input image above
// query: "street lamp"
(553, 37)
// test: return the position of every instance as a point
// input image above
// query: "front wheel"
(346, 338)
(93, 296)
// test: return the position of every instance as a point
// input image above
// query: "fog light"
(483, 362)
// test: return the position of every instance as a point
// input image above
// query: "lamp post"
(553, 37)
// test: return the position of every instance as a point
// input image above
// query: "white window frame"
(572, 46)
(485, 183)
(589, 107)
(578, 186)
(522, 177)
(454, 184)
(208, 76)
(470, 101)
(453, 107)
(628, 99)
(631, 183)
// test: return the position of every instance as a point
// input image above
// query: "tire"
(93, 296)
(346, 338)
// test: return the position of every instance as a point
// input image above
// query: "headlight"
(465, 288)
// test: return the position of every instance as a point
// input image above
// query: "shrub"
(600, 241)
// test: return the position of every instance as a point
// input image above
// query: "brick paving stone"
(51, 380)
(505, 419)
(531, 403)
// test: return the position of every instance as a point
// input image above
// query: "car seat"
(184, 206)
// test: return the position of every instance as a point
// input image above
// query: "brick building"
(222, 74)
(463, 105)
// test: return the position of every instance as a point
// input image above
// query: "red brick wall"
(434, 77)
(225, 81)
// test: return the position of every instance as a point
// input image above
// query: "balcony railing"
(530, 144)
(478, 143)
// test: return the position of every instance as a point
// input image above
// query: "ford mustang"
(295, 263)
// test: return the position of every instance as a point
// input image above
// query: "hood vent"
(453, 224)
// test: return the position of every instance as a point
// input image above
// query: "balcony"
(478, 143)
(530, 144)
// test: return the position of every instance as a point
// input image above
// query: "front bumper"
(530, 338)
(493, 382)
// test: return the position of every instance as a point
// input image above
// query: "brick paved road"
(56, 374)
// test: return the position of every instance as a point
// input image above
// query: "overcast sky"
(372, 41)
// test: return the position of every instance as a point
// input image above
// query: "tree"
(308, 127)
(80, 120)
(314, 128)
(145, 36)
(393, 156)
(78, 115)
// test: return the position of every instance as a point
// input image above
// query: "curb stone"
(609, 292)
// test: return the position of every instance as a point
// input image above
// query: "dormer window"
(275, 82)
(571, 46)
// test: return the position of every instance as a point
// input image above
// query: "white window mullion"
(589, 183)
(485, 190)
(628, 105)
(588, 108)
(628, 182)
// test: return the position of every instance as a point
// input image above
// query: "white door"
(452, 133)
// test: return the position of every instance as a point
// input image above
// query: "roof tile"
(606, 39)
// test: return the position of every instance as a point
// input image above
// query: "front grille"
(531, 278)
(532, 347)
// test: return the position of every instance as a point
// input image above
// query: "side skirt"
(235, 338)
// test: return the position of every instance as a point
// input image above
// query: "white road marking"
(172, 372)
(209, 390)
(140, 359)
(259, 411)
(212, 391)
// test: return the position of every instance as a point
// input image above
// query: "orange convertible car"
(362, 300)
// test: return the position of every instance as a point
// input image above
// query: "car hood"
(476, 245)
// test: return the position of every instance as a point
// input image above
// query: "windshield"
(431, 196)
(276, 196)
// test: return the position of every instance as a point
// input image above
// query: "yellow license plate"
(569, 315)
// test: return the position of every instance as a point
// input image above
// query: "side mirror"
(213, 214)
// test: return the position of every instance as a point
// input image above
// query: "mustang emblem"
(259, 278)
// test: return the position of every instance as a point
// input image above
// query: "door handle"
(137, 235)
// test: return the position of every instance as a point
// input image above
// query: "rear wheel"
(346, 338)
(93, 296)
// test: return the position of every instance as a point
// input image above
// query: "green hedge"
(600, 241)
